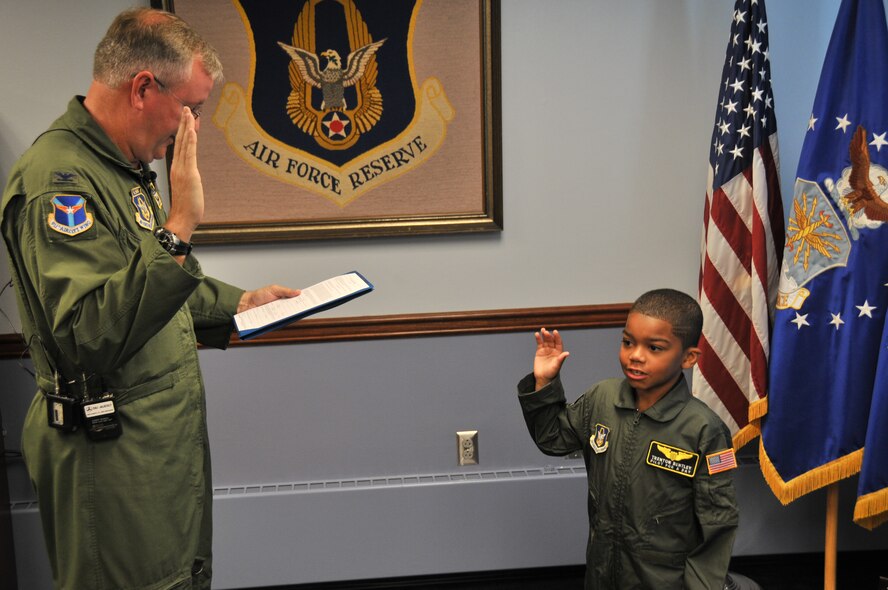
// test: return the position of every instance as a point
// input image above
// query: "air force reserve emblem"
(598, 441)
(333, 106)
(144, 214)
(69, 215)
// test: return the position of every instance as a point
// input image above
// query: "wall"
(337, 461)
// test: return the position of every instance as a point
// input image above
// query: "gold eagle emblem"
(674, 454)
(332, 80)
(335, 126)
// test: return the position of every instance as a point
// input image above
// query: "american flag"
(742, 232)
(722, 461)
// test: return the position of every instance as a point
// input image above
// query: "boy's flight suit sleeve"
(715, 505)
(555, 426)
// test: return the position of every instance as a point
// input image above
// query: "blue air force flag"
(828, 397)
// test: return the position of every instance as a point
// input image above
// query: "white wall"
(315, 447)
(607, 112)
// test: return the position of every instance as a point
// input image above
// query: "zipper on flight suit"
(628, 444)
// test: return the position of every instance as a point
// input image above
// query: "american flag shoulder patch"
(721, 461)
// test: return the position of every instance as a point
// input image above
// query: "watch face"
(170, 242)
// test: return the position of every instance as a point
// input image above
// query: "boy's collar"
(666, 408)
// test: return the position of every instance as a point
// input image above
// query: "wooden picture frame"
(413, 147)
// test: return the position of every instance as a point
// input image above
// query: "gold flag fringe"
(745, 435)
(871, 509)
(753, 429)
(819, 477)
(757, 409)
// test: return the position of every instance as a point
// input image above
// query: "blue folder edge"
(248, 334)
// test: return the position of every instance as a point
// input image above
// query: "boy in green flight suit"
(662, 511)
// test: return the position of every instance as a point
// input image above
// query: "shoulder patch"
(721, 461)
(69, 215)
(672, 459)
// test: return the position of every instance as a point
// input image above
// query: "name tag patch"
(674, 459)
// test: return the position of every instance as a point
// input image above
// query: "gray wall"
(337, 461)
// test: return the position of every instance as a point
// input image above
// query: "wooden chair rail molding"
(413, 325)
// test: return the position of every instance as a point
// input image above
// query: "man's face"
(163, 110)
(651, 355)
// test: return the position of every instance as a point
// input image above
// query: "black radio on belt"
(63, 411)
(95, 414)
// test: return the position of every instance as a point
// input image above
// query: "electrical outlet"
(467, 447)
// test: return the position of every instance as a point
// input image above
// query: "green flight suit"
(657, 518)
(98, 296)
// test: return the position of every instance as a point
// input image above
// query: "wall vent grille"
(396, 481)
(372, 483)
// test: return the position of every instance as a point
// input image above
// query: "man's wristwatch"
(171, 242)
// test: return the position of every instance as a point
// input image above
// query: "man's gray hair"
(154, 40)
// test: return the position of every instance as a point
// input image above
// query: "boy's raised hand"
(550, 355)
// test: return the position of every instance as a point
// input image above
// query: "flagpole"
(832, 529)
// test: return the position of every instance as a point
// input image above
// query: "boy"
(662, 512)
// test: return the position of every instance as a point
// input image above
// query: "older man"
(112, 305)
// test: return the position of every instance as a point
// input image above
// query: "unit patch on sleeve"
(721, 461)
(69, 215)
(672, 459)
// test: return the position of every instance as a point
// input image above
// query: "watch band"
(171, 242)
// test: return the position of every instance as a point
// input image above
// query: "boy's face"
(652, 356)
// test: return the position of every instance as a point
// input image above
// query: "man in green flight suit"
(112, 305)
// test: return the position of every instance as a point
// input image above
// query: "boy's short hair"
(679, 309)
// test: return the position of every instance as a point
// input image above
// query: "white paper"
(318, 295)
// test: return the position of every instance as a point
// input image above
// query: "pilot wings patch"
(674, 459)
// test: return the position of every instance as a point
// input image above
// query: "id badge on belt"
(100, 419)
